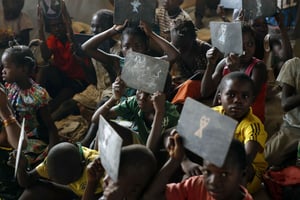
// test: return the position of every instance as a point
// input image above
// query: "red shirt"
(193, 188)
(64, 59)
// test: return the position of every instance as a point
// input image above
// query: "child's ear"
(219, 98)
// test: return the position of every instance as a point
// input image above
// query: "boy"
(137, 166)
(64, 173)
(215, 183)
(236, 96)
(169, 13)
(150, 114)
(283, 145)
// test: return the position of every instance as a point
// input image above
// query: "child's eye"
(224, 174)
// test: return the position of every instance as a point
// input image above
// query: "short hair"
(246, 28)
(241, 77)
(137, 159)
(137, 32)
(185, 27)
(237, 154)
(21, 55)
(65, 161)
(106, 17)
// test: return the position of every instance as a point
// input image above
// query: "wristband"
(10, 120)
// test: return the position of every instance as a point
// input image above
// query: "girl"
(28, 99)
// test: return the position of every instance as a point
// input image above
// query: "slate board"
(134, 11)
(232, 4)
(144, 72)
(206, 132)
(227, 37)
(110, 144)
(257, 8)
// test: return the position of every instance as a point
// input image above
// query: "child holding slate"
(236, 96)
(150, 113)
(65, 165)
(137, 166)
(246, 63)
(216, 183)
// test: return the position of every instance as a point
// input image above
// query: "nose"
(237, 99)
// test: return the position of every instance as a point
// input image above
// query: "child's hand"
(120, 28)
(159, 100)
(174, 146)
(146, 28)
(12, 160)
(280, 19)
(95, 171)
(213, 55)
(190, 168)
(118, 88)
(233, 62)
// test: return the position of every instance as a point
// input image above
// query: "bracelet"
(9, 121)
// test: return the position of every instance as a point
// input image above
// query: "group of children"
(237, 83)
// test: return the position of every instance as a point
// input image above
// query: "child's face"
(236, 98)
(130, 42)
(96, 25)
(248, 47)
(10, 70)
(144, 101)
(11, 9)
(57, 28)
(178, 39)
(222, 183)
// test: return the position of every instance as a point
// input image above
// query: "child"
(169, 13)
(236, 96)
(137, 166)
(14, 24)
(9, 138)
(86, 102)
(192, 62)
(70, 71)
(150, 114)
(216, 183)
(282, 146)
(65, 165)
(246, 63)
(28, 99)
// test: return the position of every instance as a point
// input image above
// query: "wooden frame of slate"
(52, 9)
(134, 11)
(206, 132)
(259, 8)
(144, 72)
(227, 37)
(110, 145)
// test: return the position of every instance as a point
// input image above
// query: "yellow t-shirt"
(251, 129)
(78, 186)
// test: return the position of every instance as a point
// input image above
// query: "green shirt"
(129, 110)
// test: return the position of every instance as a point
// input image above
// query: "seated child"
(137, 166)
(150, 114)
(192, 62)
(236, 96)
(29, 100)
(216, 183)
(282, 146)
(69, 70)
(246, 63)
(65, 165)
(168, 14)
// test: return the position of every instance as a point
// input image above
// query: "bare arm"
(289, 100)
(106, 110)
(12, 128)
(212, 74)
(252, 148)
(52, 130)
(259, 76)
(155, 136)
(90, 47)
(171, 52)
(156, 190)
